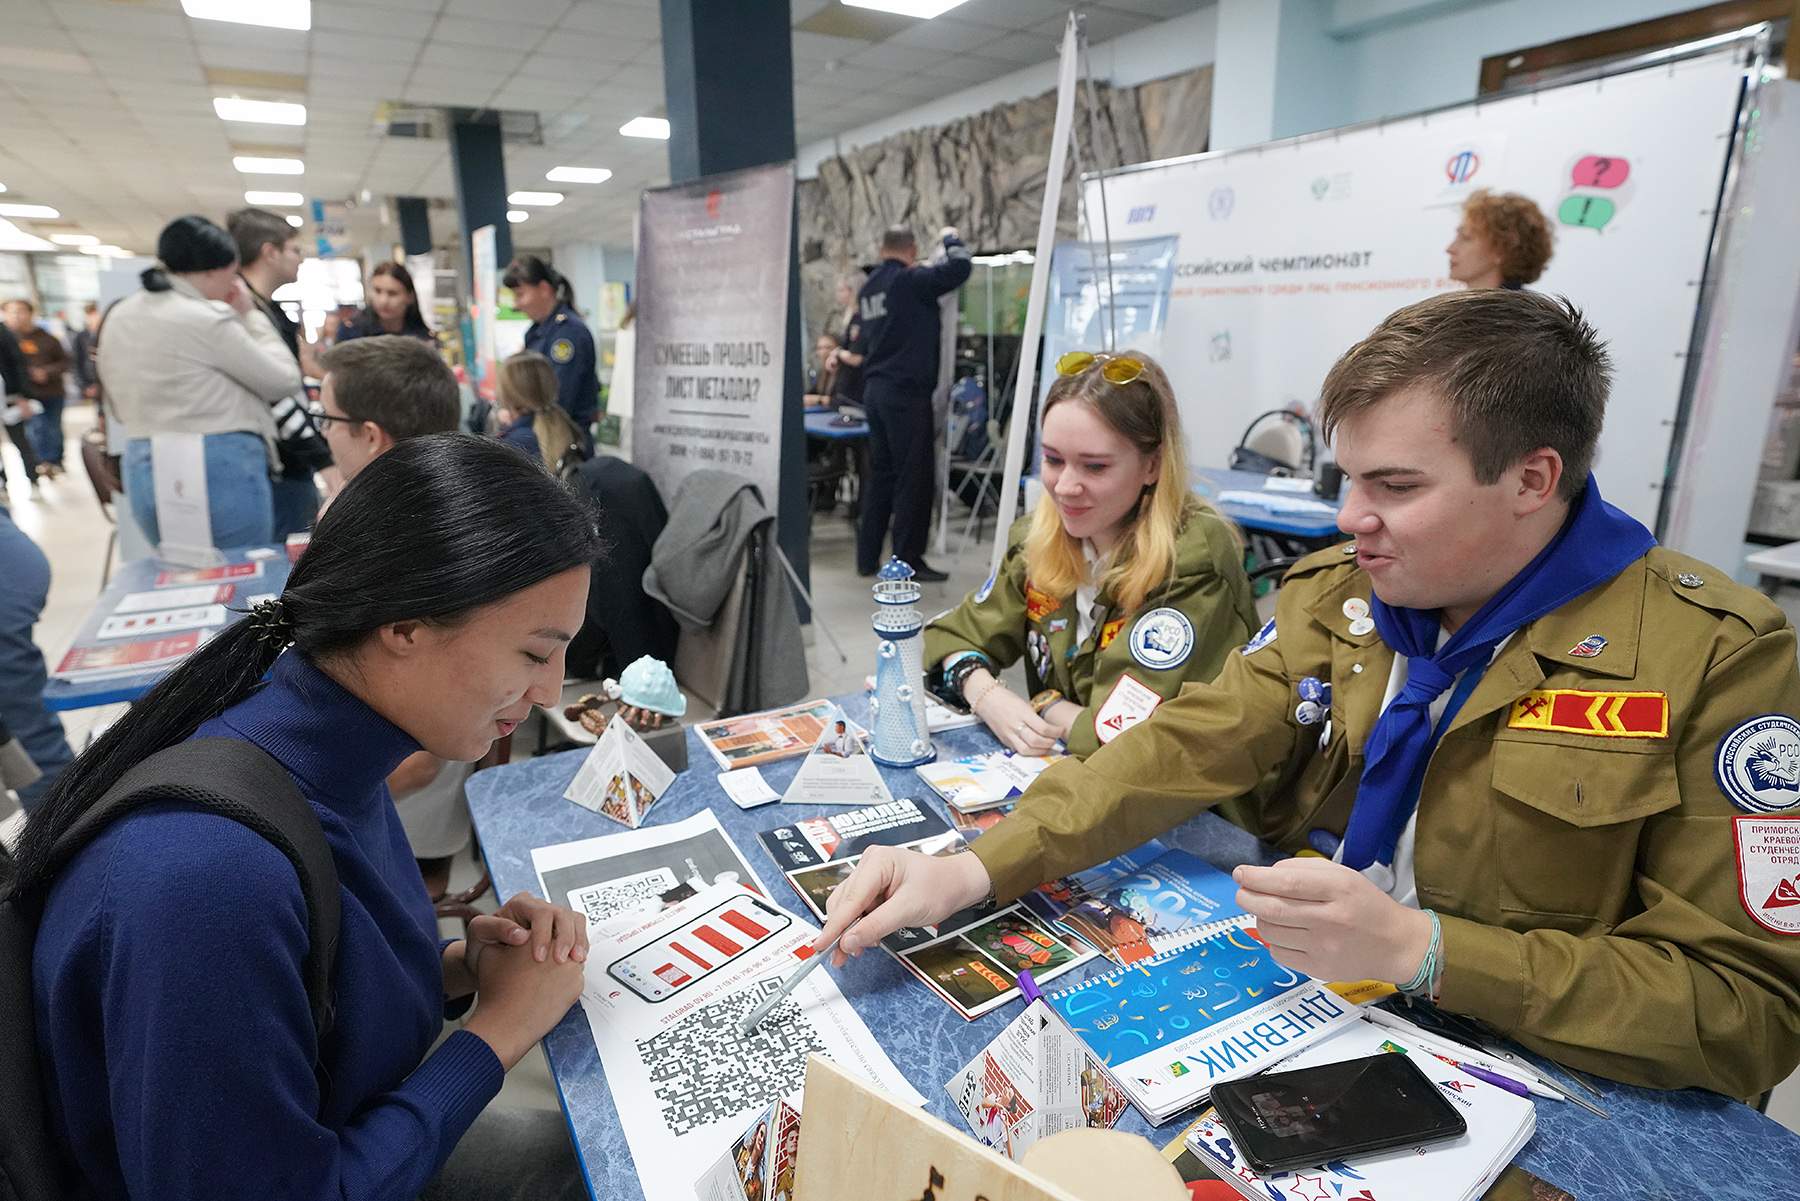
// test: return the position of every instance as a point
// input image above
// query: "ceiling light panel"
(271, 14)
(251, 164)
(262, 112)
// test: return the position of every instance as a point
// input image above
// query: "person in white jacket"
(189, 355)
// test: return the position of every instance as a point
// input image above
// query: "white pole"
(1026, 390)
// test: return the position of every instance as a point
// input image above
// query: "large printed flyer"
(665, 995)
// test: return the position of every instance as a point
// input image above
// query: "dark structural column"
(415, 224)
(480, 170)
(728, 75)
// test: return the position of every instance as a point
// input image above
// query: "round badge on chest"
(1162, 638)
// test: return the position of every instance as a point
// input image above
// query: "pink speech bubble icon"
(1600, 171)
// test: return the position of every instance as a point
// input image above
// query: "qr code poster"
(614, 898)
(687, 1079)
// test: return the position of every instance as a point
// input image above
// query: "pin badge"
(1588, 647)
(1316, 690)
(1308, 713)
(1688, 579)
(1356, 608)
(1361, 626)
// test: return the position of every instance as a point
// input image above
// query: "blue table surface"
(139, 575)
(1210, 481)
(825, 425)
(1656, 1144)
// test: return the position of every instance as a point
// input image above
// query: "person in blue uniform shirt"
(899, 358)
(558, 333)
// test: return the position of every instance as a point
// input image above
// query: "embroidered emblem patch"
(1129, 703)
(986, 589)
(1261, 638)
(562, 350)
(1162, 638)
(1758, 764)
(1600, 714)
(1058, 624)
(1039, 605)
(1588, 647)
(1110, 630)
(1768, 862)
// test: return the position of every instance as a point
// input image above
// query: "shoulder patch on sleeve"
(562, 350)
(1260, 639)
(1768, 880)
(1758, 764)
(1162, 638)
(986, 589)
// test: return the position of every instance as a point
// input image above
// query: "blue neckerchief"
(1596, 543)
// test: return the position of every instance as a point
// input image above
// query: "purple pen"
(1028, 987)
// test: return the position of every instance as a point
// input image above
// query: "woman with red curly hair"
(1503, 242)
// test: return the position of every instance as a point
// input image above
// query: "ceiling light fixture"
(272, 14)
(259, 112)
(275, 199)
(2, 187)
(646, 127)
(295, 220)
(578, 175)
(107, 251)
(75, 239)
(536, 199)
(517, 215)
(924, 10)
(251, 164)
(41, 212)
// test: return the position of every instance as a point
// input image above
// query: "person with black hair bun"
(558, 333)
(393, 308)
(430, 611)
(180, 357)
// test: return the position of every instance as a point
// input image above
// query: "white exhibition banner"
(712, 297)
(484, 265)
(1291, 252)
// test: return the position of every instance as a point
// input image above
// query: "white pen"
(1460, 1051)
(754, 1018)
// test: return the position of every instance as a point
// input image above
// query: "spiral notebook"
(1212, 1006)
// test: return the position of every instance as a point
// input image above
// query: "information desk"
(140, 575)
(1656, 1144)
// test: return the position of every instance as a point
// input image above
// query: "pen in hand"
(754, 1018)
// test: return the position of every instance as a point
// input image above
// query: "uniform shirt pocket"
(1567, 826)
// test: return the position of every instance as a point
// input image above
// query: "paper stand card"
(664, 994)
(838, 770)
(621, 777)
(183, 511)
(1036, 1079)
(983, 781)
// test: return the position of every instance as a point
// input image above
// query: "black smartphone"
(1311, 1116)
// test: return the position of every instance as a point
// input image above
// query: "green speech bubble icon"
(1588, 212)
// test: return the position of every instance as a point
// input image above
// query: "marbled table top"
(1682, 1145)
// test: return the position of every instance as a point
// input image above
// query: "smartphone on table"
(1312, 1116)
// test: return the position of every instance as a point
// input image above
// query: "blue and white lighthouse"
(897, 710)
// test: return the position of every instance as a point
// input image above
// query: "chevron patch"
(1599, 714)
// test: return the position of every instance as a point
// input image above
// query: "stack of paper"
(984, 781)
(1500, 1124)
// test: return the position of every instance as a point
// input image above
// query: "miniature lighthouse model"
(897, 710)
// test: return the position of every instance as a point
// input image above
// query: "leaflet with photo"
(838, 770)
(983, 781)
(1036, 1079)
(753, 739)
(636, 870)
(161, 621)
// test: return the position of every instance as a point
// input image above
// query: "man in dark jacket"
(12, 401)
(45, 363)
(900, 329)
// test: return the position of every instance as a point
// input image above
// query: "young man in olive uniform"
(1567, 809)
(1114, 667)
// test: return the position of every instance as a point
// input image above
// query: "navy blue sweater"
(171, 1009)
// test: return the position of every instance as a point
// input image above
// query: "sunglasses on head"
(1112, 369)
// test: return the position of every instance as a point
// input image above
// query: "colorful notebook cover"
(1212, 1008)
(1133, 906)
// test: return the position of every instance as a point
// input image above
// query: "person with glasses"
(1120, 588)
(379, 391)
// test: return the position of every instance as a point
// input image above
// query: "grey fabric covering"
(719, 528)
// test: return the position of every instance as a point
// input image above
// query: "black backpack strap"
(238, 780)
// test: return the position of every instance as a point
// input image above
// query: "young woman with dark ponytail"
(557, 333)
(430, 612)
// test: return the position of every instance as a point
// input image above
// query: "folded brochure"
(978, 782)
(1034, 1080)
